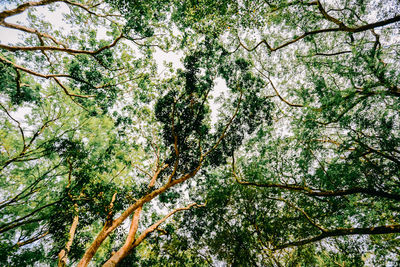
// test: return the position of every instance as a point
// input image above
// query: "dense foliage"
(275, 142)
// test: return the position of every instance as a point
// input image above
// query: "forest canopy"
(274, 141)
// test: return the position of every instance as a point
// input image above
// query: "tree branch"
(339, 29)
(63, 255)
(46, 76)
(379, 230)
(158, 223)
(277, 93)
(124, 250)
(21, 8)
(33, 239)
(318, 192)
(30, 30)
(17, 222)
(61, 49)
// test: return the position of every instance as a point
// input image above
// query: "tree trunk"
(125, 249)
(63, 255)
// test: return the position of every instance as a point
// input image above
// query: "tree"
(324, 177)
(302, 160)
(67, 156)
(79, 201)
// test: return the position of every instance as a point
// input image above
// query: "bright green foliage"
(338, 104)
(300, 167)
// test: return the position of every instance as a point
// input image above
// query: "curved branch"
(325, 193)
(278, 94)
(328, 17)
(318, 192)
(18, 123)
(379, 230)
(341, 28)
(305, 214)
(67, 92)
(87, 9)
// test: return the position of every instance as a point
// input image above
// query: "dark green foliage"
(143, 17)
(88, 79)
(13, 84)
(253, 109)
(300, 166)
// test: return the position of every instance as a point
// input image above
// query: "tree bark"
(131, 242)
(108, 228)
(125, 249)
(63, 255)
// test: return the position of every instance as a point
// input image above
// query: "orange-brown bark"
(23, 7)
(124, 250)
(131, 242)
(108, 228)
(111, 226)
(63, 255)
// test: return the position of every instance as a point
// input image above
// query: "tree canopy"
(274, 142)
